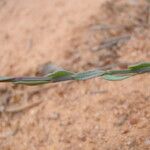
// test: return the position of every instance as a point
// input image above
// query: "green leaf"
(31, 82)
(140, 66)
(5, 79)
(60, 76)
(63, 75)
(88, 74)
(114, 77)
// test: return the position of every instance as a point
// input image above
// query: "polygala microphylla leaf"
(88, 74)
(5, 79)
(64, 75)
(139, 66)
(60, 76)
(114, 77)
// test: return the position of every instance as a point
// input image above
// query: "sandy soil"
(74, 34)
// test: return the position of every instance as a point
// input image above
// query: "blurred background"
(76, 35)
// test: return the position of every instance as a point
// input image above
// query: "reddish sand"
(86, 115)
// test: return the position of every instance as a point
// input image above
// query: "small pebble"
(65, 122)
(131, 142)
(54, 116)
(125, 131)
(82, 137)
(134, 121)
(121, 120)
(97, 116)
(147, 141)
